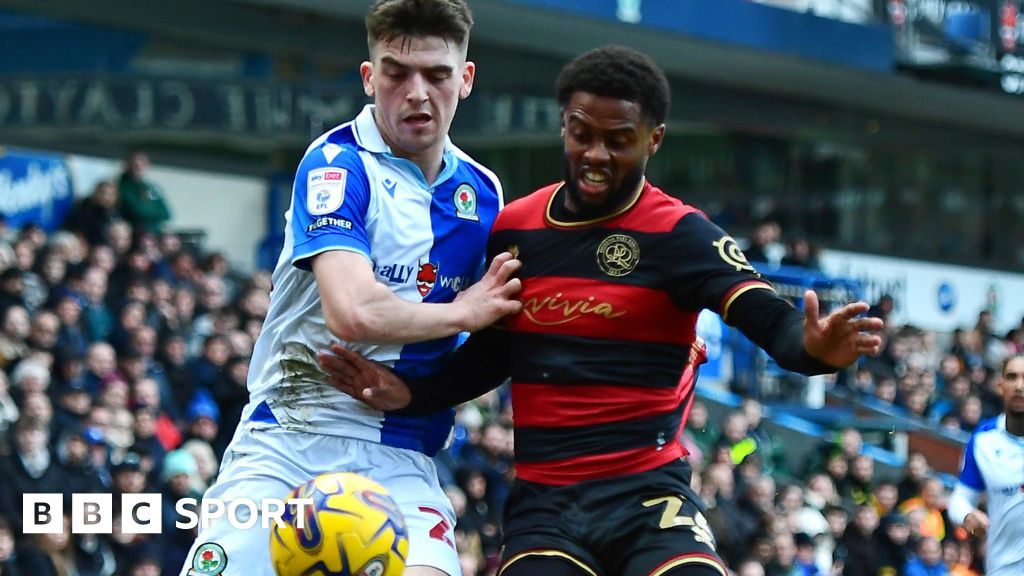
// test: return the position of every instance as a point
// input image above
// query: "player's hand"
(364, 380)
(976, 523)
(841, 337)
(494, 296)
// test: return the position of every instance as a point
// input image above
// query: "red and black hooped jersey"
(608, 318)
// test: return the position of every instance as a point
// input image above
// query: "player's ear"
(366, 73)
(657, 137)
(468, 74)
(561, 121)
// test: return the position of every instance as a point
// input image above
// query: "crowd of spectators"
(123, 360)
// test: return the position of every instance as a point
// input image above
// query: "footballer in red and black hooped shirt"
(603, 354)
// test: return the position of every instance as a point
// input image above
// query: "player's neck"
(1015, 424)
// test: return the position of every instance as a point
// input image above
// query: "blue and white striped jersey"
(424, 242)
(993, 464)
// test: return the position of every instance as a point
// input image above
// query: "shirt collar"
(368, 135)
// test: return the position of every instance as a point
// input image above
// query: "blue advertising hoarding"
(35, 188)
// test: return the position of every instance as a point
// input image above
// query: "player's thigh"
(537, 565)
(673, 538)
(256, 466)
(411, 480)
(224, 549)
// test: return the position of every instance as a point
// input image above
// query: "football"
(353, 528)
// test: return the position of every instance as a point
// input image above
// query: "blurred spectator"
(892, 544)
(763, 243)
(65, 554)
(915, 472)
(14, 331)
(9, 412)
(931, 502)
(91, 215)
(769, 448)
(700, 427)
(34, 291)
(30, 468)
(73, 404)
(883, 309)
(141, 201)
(8, 558)
(79, 470)
(177, 481)
(12, 287)
(800, 252)
(98, 319)
(855, 551)
(928, 561)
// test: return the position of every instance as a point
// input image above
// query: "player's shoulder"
(657, 200)
(338, 147)
(986, 427)
(470, 167)
(528, 211)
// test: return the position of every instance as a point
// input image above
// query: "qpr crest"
(465, 202)
(618, 255)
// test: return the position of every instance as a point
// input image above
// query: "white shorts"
(270, 463)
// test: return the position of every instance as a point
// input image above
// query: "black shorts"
(636, 525)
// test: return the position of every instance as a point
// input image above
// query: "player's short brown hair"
(390, 19)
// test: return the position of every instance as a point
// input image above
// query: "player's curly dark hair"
(618, 72)
(390, 19)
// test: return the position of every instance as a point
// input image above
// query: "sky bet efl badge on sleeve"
(325, 190)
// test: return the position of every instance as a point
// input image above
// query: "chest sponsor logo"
(465, 202)
(731, 254)
(325, 190)
(426, 275)
(557, 309)
(393, 273)
(618, 255)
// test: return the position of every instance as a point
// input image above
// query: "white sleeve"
(962, 502)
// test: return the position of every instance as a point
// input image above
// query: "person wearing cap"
(73, 404)
(128, 476)
(203, 416)
(892, 542)
(74, 457)
(177, 481)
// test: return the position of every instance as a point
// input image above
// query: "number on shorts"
(441, 529)
(670, 518)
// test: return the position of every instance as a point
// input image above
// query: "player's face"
(607, 144)
(1012, 386)
(416, 83)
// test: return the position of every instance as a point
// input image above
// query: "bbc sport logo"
(43, 513)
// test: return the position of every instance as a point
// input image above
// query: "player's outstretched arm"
(805, 342)
(479, 365)
(841, 337)
(357, 308)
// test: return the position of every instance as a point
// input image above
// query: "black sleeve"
(479, 365)
(777, 327)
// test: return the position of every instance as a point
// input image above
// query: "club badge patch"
(209, 560)
(618, 255)
(465, 202)
(730, 252)
(325, 190)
